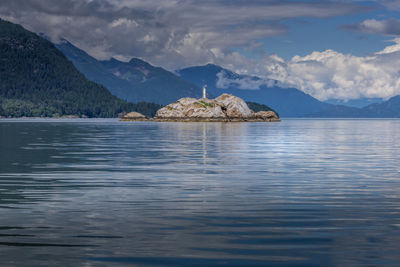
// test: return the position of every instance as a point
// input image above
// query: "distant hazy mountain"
(133, 81)
(357, 103)
(386, 109)
(288, 102)
(389, 108)
(36, 79)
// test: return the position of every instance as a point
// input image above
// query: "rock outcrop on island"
(134, 116)
(223, 108)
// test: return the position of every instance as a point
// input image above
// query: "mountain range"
(132, 81)
(387, 109)
(357, 103)
(138, 80)
(36, 79)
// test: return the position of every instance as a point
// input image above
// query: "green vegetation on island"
(256, 107)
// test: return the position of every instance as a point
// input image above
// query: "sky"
(330, 49)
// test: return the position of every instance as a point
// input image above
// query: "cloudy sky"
(330, 49)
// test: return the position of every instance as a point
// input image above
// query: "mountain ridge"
(387, 109)
(136, 80)
(37, 80)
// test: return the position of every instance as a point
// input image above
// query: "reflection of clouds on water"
(254, 191)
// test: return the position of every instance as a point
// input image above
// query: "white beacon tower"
(204, 91)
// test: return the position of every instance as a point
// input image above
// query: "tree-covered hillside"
(256, 107)
(36, 79)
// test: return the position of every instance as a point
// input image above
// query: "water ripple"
(299, 192)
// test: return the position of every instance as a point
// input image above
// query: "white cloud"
(391, 48)
(384, 27)
(391, 4)
(177, 33)
(330, 74)
(170, 33)
(241, 82)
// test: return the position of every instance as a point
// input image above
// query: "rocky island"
(134, 116)
(225, 108)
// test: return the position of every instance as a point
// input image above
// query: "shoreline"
(203, 120)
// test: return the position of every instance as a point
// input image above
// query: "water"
(101, 192)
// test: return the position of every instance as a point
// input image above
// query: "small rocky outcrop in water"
(134, 116)
(267, 115)
(224, 108)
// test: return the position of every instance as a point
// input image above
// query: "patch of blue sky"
(306, 35)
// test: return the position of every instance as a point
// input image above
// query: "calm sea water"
(101, 192)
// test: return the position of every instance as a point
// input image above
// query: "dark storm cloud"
(170, 33)
(81, 8)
